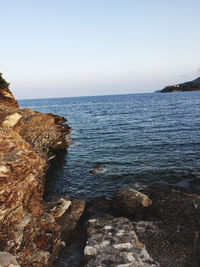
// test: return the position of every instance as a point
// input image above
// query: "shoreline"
(158, 226)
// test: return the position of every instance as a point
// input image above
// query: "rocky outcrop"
(7, 98)
(26, 231)
(46, 134)
(30, 229)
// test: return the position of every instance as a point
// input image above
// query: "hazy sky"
(58, 48)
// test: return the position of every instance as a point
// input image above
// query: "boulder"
(130, 201)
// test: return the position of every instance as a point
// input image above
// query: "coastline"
(157, 227)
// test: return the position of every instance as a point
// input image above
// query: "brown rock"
(28, 229)
(130, 201)
(7, 98)
(42, 133)
(24, 227)
(68, 220)
(57, 208)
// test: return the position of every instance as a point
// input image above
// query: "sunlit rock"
(130, 201)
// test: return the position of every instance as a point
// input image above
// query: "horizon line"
(18, 99)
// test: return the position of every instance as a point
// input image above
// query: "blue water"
(141, 139)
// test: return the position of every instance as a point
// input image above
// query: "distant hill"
(182, 87)
(197, 80)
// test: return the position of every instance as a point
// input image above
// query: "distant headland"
(182, 87)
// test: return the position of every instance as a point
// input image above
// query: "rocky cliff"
(30, 229)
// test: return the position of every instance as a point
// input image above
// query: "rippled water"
(140, 139)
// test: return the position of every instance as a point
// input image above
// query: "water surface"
(141, 139)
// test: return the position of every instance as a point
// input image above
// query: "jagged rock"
(30, 229)
(130, 201)
(58, 119)
(73, 234)
(66, 213)
(42, 133)
(7, 98)
(58, 208)
(68, 220)
(113, 242)
(25, 230)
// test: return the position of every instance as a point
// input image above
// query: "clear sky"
(60, 48)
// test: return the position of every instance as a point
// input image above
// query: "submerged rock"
(113, 242)
(130, 201)
(98, 169)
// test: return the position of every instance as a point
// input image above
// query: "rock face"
(130, 201)
(31, 229)
(113, 242)
(46, 134)
(7, 98)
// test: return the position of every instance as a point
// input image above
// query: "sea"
(125, 141)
